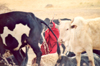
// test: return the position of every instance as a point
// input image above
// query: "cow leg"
(36, 49)
(37, 52)
(12, 43)
(90, 56)
(2, 48)
(78, 58)
(2, 51)
(33, 39)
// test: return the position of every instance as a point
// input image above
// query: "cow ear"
(74, 26)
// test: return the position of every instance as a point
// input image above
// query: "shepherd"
(50, 43)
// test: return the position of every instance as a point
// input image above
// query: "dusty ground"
(53, 8)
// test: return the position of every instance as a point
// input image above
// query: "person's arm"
(56, 32)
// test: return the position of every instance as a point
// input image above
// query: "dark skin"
(50, 25)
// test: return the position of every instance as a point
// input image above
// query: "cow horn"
(52, 18)
(72, 21)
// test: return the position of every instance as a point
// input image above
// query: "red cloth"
(51, 40)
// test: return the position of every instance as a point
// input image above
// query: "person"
(50, 46)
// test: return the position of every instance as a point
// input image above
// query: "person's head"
(50, 24)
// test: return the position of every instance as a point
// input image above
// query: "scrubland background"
(53, 8)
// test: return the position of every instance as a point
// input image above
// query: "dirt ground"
(53, 8)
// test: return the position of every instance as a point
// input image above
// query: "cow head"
(64, 28)
(78, 21)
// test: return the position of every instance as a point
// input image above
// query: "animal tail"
(58, 48)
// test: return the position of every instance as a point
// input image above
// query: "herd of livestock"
(80, 40)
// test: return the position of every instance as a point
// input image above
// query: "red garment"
(51, 40)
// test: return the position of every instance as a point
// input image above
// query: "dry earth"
(53, 8)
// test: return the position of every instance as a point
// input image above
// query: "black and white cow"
(71, 61)
(13, 25)
(71, 54)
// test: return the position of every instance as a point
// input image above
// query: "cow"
(64, 34)
(71, 61)
(14, 24)
(84, 36)
(51, 60)
(47, 60)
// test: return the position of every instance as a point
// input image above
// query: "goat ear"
(74, 26)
